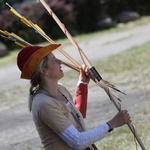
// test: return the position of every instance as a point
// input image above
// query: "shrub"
(78, 16)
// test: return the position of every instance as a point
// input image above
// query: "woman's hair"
(36, 80)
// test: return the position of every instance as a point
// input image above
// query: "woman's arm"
(82, 91)
(81, 98)
(81, 140)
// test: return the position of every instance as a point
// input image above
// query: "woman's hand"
(84, 74)
(120, 119)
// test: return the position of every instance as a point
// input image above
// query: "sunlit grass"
(123, 139)
(133, 58)
(34, 148)
(11, 58)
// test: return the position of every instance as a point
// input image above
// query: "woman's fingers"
(84, 74)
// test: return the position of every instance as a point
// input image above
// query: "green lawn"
(122, 138)
(135, 58)
(134, 61)
(11, 58)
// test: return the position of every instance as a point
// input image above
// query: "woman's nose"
(59, 61)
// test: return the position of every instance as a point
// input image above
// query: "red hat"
(29, 58)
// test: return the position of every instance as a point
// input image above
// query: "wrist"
(110, 128)
(79, 82)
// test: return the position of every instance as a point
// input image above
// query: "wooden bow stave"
(99, 79)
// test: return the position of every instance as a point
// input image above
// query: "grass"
(137, 57)
(132, 63)
(122, 139)
(129, 66)
(34, 148)
(11, 58)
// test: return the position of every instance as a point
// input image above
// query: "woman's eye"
(56, 60)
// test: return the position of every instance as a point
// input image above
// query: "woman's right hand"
(84, 74)
(120, 119)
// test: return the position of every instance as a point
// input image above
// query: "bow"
(99, 81)
(97, 78)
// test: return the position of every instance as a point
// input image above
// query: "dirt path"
(96, 48)
(16, 126)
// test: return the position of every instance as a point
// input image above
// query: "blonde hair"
(35, 81)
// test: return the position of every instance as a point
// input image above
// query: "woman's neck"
(53, 91)
(50, 86)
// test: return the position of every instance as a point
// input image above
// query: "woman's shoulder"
(42, 99)
(44, 102)
(60, 85)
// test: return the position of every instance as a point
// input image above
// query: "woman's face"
(54, 71)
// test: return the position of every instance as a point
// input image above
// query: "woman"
(59, 123)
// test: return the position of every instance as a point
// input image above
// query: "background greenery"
(133, 69)
(121, 138)
(11, 58)
(78, 16)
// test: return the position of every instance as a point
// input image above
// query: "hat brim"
(33, 61)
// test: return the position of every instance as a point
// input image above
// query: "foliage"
(113, 8)
(12, 2)
(78, 16)
(120, 138)
(39, 16)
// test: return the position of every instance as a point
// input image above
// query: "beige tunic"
(52, 116)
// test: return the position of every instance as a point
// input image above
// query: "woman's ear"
(43, 71)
